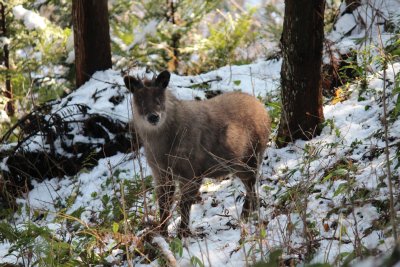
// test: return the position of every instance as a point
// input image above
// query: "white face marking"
(143, 123)
(160, 121)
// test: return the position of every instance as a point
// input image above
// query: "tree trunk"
(10, 108)
(91, 37)
(301, 81)
(175, 38)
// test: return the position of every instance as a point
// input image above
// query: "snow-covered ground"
(336, 183)
(351, 136)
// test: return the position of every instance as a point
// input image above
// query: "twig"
(195, 85)
(386, 130)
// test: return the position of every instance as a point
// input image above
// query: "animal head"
(149, 98)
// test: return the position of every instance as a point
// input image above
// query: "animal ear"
(162, 79)
(132, 83)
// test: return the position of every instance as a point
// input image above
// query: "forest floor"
(325, 200)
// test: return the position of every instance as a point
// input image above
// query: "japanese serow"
(185, 141)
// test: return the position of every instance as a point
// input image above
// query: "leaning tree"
(91, 38)
(301, 81)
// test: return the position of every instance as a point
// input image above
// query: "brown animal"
(185, 141)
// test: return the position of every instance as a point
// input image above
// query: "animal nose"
(153, 118)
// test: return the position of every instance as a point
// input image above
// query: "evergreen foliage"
(185, 36)
(37, 53)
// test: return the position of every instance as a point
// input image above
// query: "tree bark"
(175, 38)
(91, 38)
(301, 81)
(10, 108)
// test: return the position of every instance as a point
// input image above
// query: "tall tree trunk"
(175, 38)
(10, 108)
(91, 37)
(301, 81)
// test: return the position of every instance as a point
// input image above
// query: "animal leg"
(189, 190)
(249, 180)
(165, 192)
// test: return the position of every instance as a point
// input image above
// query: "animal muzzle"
(153, 118)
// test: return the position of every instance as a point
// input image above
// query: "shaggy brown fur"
(185, 141)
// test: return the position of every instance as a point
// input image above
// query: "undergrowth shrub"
(78, 235)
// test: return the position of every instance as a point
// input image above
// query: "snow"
(216, 217)
(343, 26)
(363, 29)
(4, 117)
(141, 33)
(4, 257)
(349, 147)
(32, 20)
(4, 41)
(70, 49)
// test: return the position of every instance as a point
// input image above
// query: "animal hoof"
(245, 213)
(183, 232)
